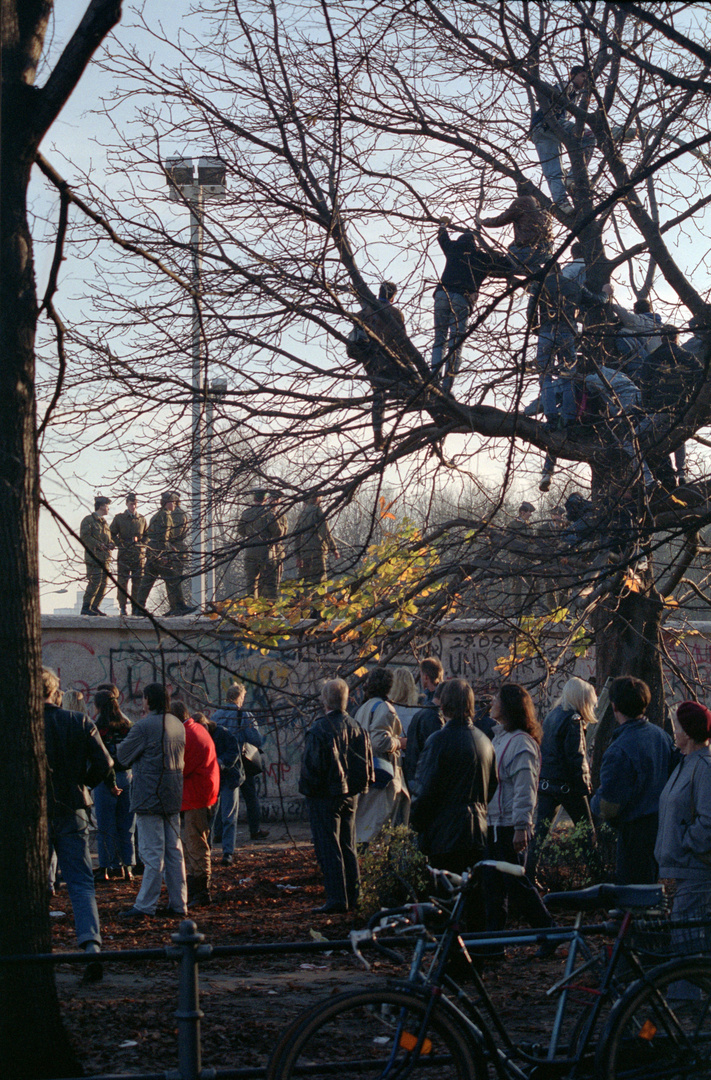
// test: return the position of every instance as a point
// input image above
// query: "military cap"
(166, 497)
(175, 496)
(101, 500)
(131, 496)
(526, 508)
(259, 494)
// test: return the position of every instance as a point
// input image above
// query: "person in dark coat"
(424, 723)
(336, 767)
(76, 758)
(465, 269)
(454, 782)
(565, 770)
(634, 771)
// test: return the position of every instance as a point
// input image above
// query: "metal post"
(190, 948)
(196, 233)
(210, 509)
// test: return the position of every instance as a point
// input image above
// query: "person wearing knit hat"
(683, 848)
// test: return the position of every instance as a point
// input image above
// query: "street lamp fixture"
(191, 181)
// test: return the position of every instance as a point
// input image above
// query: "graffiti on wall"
(280, 686)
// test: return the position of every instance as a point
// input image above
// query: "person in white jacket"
(512, 811)
(388, 800)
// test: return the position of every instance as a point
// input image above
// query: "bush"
(567, 861)
(392, 871)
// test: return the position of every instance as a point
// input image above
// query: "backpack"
(361, 771)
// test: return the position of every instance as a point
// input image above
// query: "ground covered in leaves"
(126, 1023)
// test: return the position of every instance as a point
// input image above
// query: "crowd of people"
(159, 787)
(474, 785)
(471, 782)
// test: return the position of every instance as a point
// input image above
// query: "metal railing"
(189, 949)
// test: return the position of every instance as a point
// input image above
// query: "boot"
(198, 891)
(88, 611)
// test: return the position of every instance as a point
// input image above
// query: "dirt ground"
(126, 1022)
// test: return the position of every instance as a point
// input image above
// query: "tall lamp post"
(192, 182)
(218, 390)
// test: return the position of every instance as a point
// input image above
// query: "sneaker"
(227, 860)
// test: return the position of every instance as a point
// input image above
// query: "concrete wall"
(198, 660)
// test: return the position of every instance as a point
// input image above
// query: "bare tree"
(349, 131)
(28, 1000)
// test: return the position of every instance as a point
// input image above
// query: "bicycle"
(430, 1022)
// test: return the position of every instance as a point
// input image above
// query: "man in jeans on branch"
(465, 269)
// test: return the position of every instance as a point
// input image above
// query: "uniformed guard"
(96, 538)
(160, 556)
(179, 540)
(128, 532)
(275, 568)
(314, 540)
(261, 530)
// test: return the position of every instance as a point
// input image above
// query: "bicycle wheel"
(661, 1027)
(379, 1033)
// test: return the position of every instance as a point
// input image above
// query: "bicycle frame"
(434, 984)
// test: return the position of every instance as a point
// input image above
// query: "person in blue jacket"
(243, 726)
(635, 768)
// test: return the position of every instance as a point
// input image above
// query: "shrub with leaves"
(393, 870)
(567, 860)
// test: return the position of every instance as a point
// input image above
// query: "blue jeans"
(115, 824)
(227, 816)
(69, 836)
(451, 314)
(527, 259)
(549, 146)
(556, 340)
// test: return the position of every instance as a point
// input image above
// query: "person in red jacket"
(201, 789)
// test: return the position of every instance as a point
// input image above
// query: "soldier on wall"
(160, 556)
(96, 538)
(128, 531)
(314, 540)
(260, 528)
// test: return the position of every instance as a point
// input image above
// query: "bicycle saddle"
(607, 895)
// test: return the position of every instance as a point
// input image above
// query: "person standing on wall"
(128, 531)
(96, 538)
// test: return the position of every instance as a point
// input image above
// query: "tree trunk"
(33, 1043)
(628, 642)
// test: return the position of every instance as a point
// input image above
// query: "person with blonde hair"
(565, 771)
(403, 695)
(74, 701)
